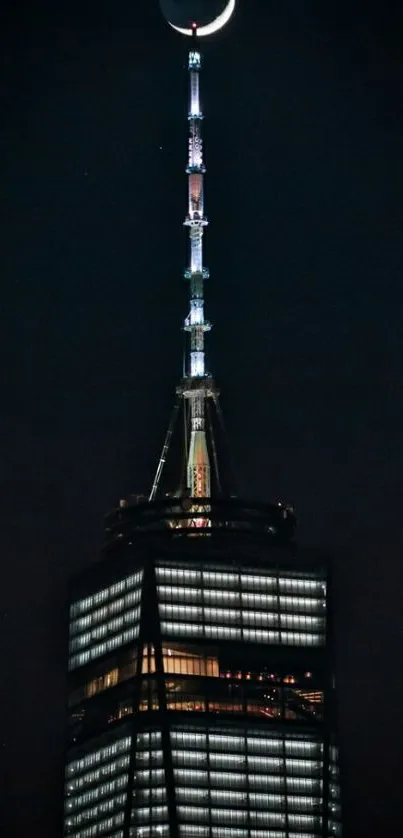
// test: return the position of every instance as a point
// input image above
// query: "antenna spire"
(197, 385)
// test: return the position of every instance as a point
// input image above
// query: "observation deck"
(187, 517)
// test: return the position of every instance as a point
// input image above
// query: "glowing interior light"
(196, 313)
(197, 159)
(196, 363)
(194, 59)
(194, 95)
(196, 259)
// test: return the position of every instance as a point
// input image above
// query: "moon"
(204, 26)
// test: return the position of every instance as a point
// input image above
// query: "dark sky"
(304, 195)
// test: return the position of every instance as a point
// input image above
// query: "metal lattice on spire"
(197, 388)
(197, 385)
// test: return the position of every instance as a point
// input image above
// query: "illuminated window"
(83, 605)
(99, 649)
(192, 704)
(148, 662)
(148, 696)
(191, 777)
(100, 809)
(97, 793)
(99, 756)
(189, 663)
(103, 682)
(247, 600)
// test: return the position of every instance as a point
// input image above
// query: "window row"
(180, 663)
(96, 811)
(144, 740)
(229, 797)
(100, 755)
(234, 615)
(253, 744)
(112, 591)
(214, 798)
(98, 775)
(184, 661)
(107, 680)
(191, 831)
(258, 708)
(302, 767)
(174, 593)
(87, 655)
(286, 638)
(153, 813)
(149, 796)
(103, 630)
(103, 790)
(105, 613)
(231, 816)
(153, 758)
(233, 780)
(150, 831)
(241, 581)
(105, 827)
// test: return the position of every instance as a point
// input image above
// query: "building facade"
(201, 693)
(201, 701)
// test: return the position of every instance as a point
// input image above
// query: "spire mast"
(197, 385)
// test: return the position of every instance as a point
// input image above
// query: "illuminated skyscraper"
(201, 693)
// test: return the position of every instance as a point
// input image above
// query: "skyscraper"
(201, 693)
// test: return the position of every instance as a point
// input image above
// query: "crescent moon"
(212, 27)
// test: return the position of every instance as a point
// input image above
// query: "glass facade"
(104, 621)
(228, 781)
(96, 789)
(201, 701)
(255, 607)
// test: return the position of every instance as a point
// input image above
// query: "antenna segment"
(197, 385)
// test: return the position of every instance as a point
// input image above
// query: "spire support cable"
(214, 448)
(165, 449)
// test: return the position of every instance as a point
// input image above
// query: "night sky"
(303, 135)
